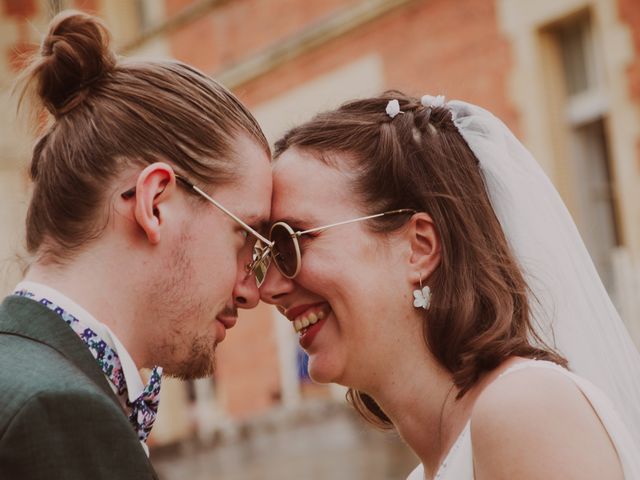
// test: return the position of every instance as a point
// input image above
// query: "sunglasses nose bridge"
(260, 262)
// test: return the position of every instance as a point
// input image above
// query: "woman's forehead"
(304, 188)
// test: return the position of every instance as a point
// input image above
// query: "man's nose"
(245, 291)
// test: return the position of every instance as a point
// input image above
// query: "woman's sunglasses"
(285, 245)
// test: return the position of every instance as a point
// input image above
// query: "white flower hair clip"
(431, 101)
(393, 108)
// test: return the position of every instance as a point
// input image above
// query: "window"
(583, 112)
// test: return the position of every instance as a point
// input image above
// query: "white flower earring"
(422, 296)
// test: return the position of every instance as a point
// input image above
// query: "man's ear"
(155, 185)
(425, 247)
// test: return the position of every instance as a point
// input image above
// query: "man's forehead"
(249, 194)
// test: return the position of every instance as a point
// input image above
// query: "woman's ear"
(425, 247)
(155, 185)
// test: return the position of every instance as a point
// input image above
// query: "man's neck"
(105, 298)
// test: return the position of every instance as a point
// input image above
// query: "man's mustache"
(229, 312)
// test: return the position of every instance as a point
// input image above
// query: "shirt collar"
(132, 377)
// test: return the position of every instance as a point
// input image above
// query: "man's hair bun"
(75, 55)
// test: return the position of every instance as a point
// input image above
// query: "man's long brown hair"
(108, 114)
(480, 312)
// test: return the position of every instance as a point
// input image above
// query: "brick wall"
(630, 14)
(434, 46)
(240, 28)
(17, 40)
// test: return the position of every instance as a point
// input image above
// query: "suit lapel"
(29, 319)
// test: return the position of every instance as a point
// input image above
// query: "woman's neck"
(418, 396)
(425, 410)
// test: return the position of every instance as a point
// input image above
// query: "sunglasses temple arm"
(368, 217)
(227, 212)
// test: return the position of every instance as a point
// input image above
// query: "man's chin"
(192, 371)
(200, 364)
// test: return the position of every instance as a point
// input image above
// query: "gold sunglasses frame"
(295, 235)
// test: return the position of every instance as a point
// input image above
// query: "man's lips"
(227, 321)
(228, 317)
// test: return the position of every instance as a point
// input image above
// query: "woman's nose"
(275, 286)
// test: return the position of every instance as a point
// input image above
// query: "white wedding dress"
(458, 464)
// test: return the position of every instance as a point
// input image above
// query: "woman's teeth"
(304, 321)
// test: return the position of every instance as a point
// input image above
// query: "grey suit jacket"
(59, 418)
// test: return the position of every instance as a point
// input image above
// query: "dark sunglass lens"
(284, 249)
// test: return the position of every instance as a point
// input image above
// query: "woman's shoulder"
(527, 414)
(526, 385)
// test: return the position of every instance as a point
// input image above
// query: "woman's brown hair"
(479, 313)
(108, 114)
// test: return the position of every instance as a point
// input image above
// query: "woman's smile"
(308, 320)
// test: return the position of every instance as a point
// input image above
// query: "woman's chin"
(321, 371)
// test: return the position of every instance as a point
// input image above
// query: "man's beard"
(199, 363)
(182, 353)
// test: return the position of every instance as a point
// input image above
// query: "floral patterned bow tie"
(144, 408)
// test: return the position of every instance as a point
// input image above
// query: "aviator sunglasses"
(262, 248)
(285, 244)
